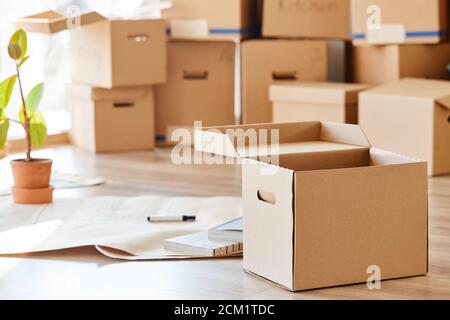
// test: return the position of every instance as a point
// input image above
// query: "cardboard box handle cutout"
(195, 75)
(448, 119)
(123, 105)
(284, 75)
(138, 37)
(267, 197)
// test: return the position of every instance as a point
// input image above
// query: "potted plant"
(31, 176)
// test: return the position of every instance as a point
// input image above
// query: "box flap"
(53, 21)
(253, 141)
(329, 93)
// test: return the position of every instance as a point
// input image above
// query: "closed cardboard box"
(109, 53)
(399, 21)
(316, 101)
(200, 87)
(230, 19)
(412, 117)
(112, 120)
(326, 19)
(382, 64)
(331, 210)
(267, 62)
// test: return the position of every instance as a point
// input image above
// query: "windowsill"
(58, 127)
(57, 122)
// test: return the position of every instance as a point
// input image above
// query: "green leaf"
(24, 60)
(4, 127)
(34, 98)
(14, 51)
(18, 43)
(6, 88)
(38, 129)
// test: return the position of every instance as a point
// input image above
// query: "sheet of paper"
(117, 226)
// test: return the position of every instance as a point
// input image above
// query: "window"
(49, 62)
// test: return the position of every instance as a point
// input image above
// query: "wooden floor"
(85, 274)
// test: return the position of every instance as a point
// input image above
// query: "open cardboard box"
(108, 53)
(330, 209)
(410, 116)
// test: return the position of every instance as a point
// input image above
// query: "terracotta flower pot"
(32, 181)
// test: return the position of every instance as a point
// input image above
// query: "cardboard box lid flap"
(53, 21)
(288, 138)
(329, 93)
(344, 133)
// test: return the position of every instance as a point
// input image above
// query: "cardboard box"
(316, 101)
(400, 21)
(231, 19)
(382, 64)
(326, 19)
(412, 117)
(332, 210)
(112, 120)
(200, 87)
(266, 62)
(109, 53)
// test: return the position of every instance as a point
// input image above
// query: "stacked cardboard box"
(312, 44)
(202, 63)
(402, 39)
(114, 65)
(397, 39)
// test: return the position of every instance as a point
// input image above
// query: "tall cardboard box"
(412, 117)
(112, 120)
(382, 64)
(230, 19)
(267, 62)
(109, 53)
(200, 87)
(324, 19)
(331, 210)
(316, 101)
(400, 21)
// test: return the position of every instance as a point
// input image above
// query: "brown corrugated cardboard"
(109, 53)
(112, 120)
(383, 64)
(52, 21)
(316, 101)
(399, 21)
(334, 208)
(266, 62)
(231, 19)
(412, 117)
(325, 19)
(200, 87)
(118, 53)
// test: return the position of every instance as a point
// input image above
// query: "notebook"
(199, 244)
(230, 231)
